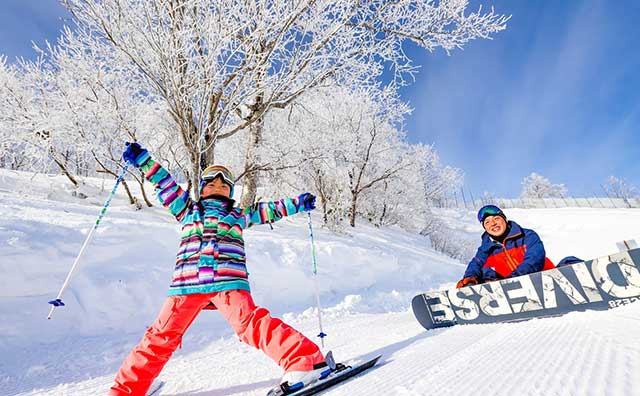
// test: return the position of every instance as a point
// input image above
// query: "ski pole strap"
(57, 302)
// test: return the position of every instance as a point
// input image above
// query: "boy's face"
(495, 225)
(217, 187)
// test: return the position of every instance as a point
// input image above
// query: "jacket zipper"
(513, 264)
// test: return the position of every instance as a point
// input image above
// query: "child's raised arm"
(170, 194)
(269, 212)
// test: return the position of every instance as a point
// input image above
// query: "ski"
(155, 388)
(342, 373)
(598, 284)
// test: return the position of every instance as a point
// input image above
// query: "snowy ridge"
(367, 280)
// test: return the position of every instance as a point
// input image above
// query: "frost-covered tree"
(620, 188)
(376, 157)
(13, 154)
(73, 107)
(408, 197)
(221, 66)
(438, 180)
(537, 186)
(26, 118)
(360, 146)
(489, 198)
(361, 166)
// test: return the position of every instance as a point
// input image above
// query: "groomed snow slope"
(367, 280)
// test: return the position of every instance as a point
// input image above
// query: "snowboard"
(598, 284)
(343, 373)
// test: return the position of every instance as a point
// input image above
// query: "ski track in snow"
(367, 280)
(570, 355)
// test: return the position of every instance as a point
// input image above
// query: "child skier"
(210, 271)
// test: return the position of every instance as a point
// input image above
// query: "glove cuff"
(142, 159)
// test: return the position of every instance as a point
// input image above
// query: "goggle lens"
(486, 211)
(213, 171)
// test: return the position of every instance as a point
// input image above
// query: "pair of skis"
(341, 374)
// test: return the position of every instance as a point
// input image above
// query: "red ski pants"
(254, 325)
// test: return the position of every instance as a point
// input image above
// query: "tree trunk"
(352, 211)
(251, 161)
(142, 190)
(325, 213)
(198, 162)
(132, 200)
(62, 167)
(384, 207)
(323, 198)
(189, 184)
(208, 156)
(195, 176)
(197, 159)
(383, 215)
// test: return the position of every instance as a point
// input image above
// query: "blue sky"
(557, 93)
(24, 21)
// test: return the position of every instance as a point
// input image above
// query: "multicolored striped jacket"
(521, 252)
(211, 257)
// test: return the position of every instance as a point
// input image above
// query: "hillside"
(367, 279)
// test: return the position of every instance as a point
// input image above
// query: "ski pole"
(58, 301)
(315, 280)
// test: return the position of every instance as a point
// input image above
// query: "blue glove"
(489, 274)
(308, 201)
(133, 152)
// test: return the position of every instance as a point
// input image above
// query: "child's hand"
(308, 201)
(133, 151)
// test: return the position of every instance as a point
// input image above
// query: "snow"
(366, 278)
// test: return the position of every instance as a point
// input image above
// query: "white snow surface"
(366, 279)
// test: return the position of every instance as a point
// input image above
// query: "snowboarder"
(210, 272)
(507, 250)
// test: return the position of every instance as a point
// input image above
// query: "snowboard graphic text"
(601, 283)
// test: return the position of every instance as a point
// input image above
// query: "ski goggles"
(488, 210)
(213, 171)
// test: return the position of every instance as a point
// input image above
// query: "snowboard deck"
(598, 284)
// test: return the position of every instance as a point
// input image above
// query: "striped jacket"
(211, 256)
(521, 252)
